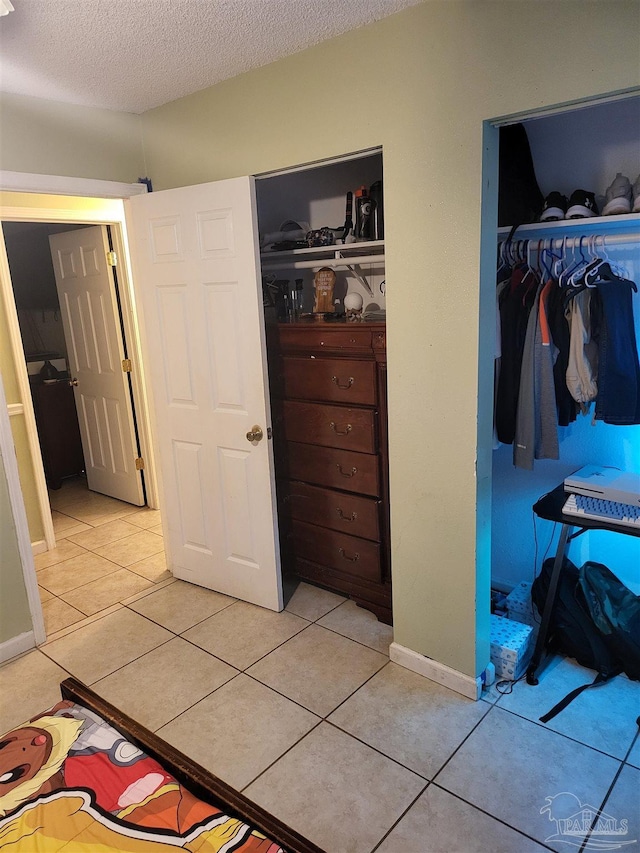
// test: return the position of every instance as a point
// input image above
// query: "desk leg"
(548, 606)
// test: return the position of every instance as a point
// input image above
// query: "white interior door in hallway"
(89, 310)
(197, 276)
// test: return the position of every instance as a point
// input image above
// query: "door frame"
(107, 208)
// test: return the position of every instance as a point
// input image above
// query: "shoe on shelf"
(554, 208)
(618, 196)
(582, 205)
(635, 194)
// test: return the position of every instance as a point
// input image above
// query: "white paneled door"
(95, 349)
(197, 279)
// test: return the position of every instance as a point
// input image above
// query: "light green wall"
(15, 618)
(420, 83)
(49, 138)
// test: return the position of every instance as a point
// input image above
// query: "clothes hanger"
(576, 279)
(570, 264)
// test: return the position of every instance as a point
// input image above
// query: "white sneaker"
(618, 196)
(635, 193)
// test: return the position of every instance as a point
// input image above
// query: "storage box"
(511, 646)
(520, 607)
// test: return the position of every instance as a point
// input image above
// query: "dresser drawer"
(331, 379)
(338, 469)
(347, 554)
(325, 338)
(330, 426)
(352, 514)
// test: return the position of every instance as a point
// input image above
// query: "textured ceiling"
(133, 55)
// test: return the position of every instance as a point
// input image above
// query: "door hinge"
(112, 259)
(126, 365)
(139, 464)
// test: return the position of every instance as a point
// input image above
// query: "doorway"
(574, 145)
(83, 404)
(64, 213)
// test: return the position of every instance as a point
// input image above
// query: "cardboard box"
(520, 607)
(511, 646)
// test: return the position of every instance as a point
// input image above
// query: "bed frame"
(195, 778)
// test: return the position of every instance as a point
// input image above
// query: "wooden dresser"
(328, 392)
(58, 431)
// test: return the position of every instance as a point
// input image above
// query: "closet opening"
(584, 155)
(322, 254)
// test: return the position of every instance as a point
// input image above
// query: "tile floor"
(304, 712)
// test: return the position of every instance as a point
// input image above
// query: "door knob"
(73, 381)
(255, 434)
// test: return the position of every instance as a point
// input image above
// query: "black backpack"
(615, 612)
(519, 197)
(572, 630)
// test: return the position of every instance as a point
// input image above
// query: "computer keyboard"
(600, 510)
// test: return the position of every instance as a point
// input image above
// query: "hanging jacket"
(582, 368)
(536, 435)
(515, 306)
(618, 400)
(559, 327)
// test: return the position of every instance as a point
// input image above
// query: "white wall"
(583, 149)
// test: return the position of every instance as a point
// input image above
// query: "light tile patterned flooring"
(304, 712)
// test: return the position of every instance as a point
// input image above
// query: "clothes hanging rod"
(325, 262)
(602, 241)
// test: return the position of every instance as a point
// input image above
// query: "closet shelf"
(622, 228)
(351, 256)
(348, 250)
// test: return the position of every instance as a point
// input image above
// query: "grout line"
(284, 696)
(117, 669)
(280, 757)
(547, 728)
(198, 701)
(353, 692)
(169, 582)
(602, 805)
(408, 809)
(494, 817)
(143, 593)
(82, 623)
(138, 657)
(464, 740)
(358, 642)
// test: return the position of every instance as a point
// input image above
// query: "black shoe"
(555, 207)
(582, 205)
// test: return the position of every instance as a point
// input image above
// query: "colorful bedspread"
(69, 782)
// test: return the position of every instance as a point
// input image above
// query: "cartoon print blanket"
(70, 783)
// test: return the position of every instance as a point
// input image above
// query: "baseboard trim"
(39, 546)
(439, 672)
(17, 646)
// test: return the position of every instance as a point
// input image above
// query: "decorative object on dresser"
(353, 306)
(323, 284)
(328, 393)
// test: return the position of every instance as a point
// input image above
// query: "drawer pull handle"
(344, 517)
(351, 473)
(345, 556)
(337, 382)
(337, 431)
